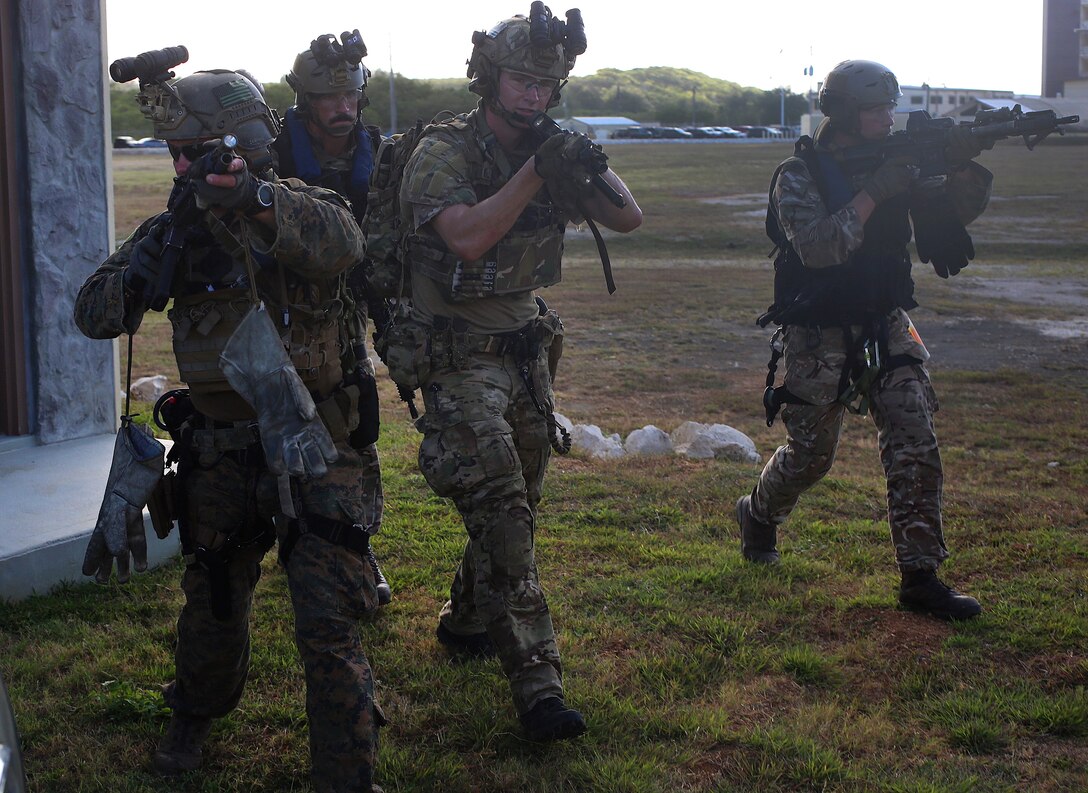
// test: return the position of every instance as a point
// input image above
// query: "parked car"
(149, 143)
(670, 132)
(633, 132)
(763, 132)
(704, 132)
(123, 142)
(729, 132)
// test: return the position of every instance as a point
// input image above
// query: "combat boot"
(757, 540)
(476, 645)
(551, 720)
(921, 590)
(179, 750)
(385, 592)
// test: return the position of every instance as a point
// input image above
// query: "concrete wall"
(69, 222)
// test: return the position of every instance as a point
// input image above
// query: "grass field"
(696, 671)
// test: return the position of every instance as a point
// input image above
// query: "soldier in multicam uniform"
(324, 142)
(485, 231)
(842, 290)
(289, 245)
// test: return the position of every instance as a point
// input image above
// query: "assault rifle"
(182, 220)
(922, 143)
(597, 163)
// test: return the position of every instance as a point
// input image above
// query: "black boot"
(179, 750)
(385, 592)
(921, 590)
(551, 720)
(757, 540)
(476, 645)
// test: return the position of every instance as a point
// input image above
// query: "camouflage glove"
(241, 197)
(568, 162)
(961, 146)
(888, 181)
(136, 470)
(256, 365)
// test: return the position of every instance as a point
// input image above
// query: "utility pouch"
(162, 504)
(369, 420)
(405, 350)
(553, 339)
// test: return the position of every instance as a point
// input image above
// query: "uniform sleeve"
(315, 235)
(820, 238)
(100, 308)
(435, 177)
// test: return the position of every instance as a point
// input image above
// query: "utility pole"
(693, 106)
(392, 92)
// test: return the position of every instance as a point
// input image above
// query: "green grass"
(696, 671)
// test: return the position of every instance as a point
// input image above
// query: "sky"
(979, 44)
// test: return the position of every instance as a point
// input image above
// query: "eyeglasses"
(351, 97)
(524, 83)
(192, 151)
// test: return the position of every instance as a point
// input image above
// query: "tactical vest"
(874, 280)
(308, 317)
(295, 157)
(528, 257)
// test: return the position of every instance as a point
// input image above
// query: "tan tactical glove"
(256, 365)
(136, 470)
(888, 181)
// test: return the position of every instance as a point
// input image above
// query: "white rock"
(649, 442)
(686, 433)
(590, 439)
(149, 389)
(721, 442)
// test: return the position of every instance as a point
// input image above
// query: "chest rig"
(528, 257)
(214, 293)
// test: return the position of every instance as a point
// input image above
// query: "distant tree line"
(659, 94)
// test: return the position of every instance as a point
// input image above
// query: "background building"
(1065, 45)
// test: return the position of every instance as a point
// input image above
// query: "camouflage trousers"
(902, 406)
(331, 587)
(486, 447)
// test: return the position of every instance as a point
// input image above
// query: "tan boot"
(179, 750)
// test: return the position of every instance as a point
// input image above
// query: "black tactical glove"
(570, 157)
(144, 262)
(940, 236)
(888, 181)
(242, 197)
(961, 146)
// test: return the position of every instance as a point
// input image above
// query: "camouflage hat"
(508, 46)
(853, 85)
(211, 104)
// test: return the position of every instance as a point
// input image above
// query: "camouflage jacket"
(316, 239)
(442, 173)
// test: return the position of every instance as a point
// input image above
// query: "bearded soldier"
(325, 142)
(485, 205)
(842, 290)
(261, 433)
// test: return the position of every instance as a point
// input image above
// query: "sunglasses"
(192, 151)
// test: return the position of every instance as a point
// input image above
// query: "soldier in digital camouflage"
(485, 203)
(288, 245)
(325, 142)
(842, 290)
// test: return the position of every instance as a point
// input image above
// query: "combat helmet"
(329, 67)
(211, 104)
(540, 45)
(853, 85)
